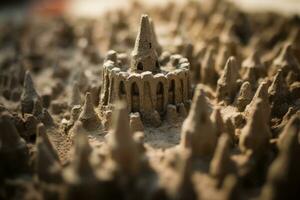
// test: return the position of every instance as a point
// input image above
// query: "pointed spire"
(75, 96)
(278, 92)
(9, 136)
(29, 94)
(227, 83)
(81, 163)
(253, 68)
(46, 118)
(13, 149)
(123, 149)
(42, 134)
(287, 58)
(157, 46)
(283, 177)
(278, 87)
(185, 187)
(217, 119)
(80, 177)
(293, 125)
(244, 96)
(88, 116)
(261, 93)
(256, 134)
(198, 132)
(144, 56)
(221, 163)
(37, 108)
(28, 85)
(223, 55)
(47, 163)
(253, 61)
(208, 71)
(250, 75)
(227, 36)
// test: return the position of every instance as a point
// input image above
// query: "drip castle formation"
(205, 105)
(147, 85)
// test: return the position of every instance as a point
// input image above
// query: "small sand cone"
(256, 134)
(292, 125)
(288, 115)
(10, 138)
(80, 176)
(208, 72)
(221, 164)
(227, 83)
(261, 93)
(252, 68)
(278, 87)
(283, 177)
(47, 162)
(13, 150)
(75, 96)
(46, 118)
(29, 95)
(228, 38)
(250, 76)
(253, 61)
(42, 134)
(88, 116)
(286, 58)
(42, 114)
(185, 187)
(216, 118)
(198, 132)
(244, 96)
(123, 149)
(136, 123)
(278, 93)
(81, 163)
(223, 55)
(37, 108)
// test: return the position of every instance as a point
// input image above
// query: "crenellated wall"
(145, 92)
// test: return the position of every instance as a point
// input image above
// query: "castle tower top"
(144, 56)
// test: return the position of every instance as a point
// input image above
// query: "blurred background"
(94, 8)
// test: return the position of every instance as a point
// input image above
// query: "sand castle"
(222, 121)
(147, 86)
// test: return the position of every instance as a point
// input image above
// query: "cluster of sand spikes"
(209, 150)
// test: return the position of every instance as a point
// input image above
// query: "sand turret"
(144, 56)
